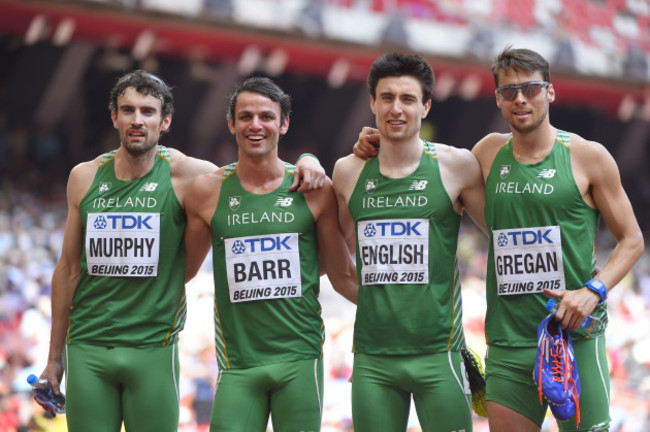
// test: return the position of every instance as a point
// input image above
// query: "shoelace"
(562, 371)
(559, 363)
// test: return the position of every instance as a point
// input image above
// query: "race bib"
(123, 244)
(263, 267)
(394, 251)
(528, 260)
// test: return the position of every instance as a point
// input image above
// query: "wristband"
(307, 154)
(599, 287)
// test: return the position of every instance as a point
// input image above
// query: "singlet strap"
(164, 151)
(229, 170)
(106, 157)
(430, 149)
(289, 167)
(564, 138)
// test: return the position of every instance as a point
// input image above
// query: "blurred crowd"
(605, 37)
(31, 232)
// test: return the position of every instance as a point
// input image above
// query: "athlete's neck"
(261, 175)
(532, 147)
(399, 159)
(129, 166)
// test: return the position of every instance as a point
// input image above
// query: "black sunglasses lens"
(508, 93)
(528, 90)
(531, 90)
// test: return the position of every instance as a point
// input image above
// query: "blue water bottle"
(590, 324)
(43, 391)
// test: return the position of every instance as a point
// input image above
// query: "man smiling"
(400, 213)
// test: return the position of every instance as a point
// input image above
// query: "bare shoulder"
(86, 169)
(346, 167)
(458, 169)
(322, 193)
(592, 164)
(205, 184)
(486, 150)
(203, 193)
(80, 179)
(587, 151)
(490, 144)
(321, 198)
(187, 167)
(455, 158)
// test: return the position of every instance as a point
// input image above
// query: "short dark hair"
(146, 84)
(267, 88)
(399, 64)
(520, 59)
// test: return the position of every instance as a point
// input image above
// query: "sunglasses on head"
(528, 89)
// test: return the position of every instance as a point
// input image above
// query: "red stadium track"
(224, 42)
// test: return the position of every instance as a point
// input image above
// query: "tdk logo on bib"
(524, 237)
(393, 229)
(123, 222)
(261, 244)
(100, 223)
(238, 247)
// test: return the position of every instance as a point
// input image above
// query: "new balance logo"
(284, 202)
(546, 173)
(149, 187)
(418, 185)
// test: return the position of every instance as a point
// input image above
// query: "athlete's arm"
(367, 144)
(309, 175)
(332, 250)
(461, 176)
(66, 273)
(184, 169)
(344, 178)
(200, 204)
(595, 167)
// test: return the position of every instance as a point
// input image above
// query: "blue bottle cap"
(32, 379)
(550, 304)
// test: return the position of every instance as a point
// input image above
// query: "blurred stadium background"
(59, 59)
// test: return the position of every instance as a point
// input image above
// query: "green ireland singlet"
(542, 236)
(407, 233)
(266, 276)
(131, 291)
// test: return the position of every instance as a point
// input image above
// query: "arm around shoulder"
(461, 175)
(332, 250)
(200, 204)
(345, 176)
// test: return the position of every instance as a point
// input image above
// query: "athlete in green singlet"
(266, 242)
(118, 294)
(545, 192)
(400, 213)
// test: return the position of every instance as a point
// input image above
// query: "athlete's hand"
(309, 175)
(368, 142)
(53, 373)
(574, 305)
